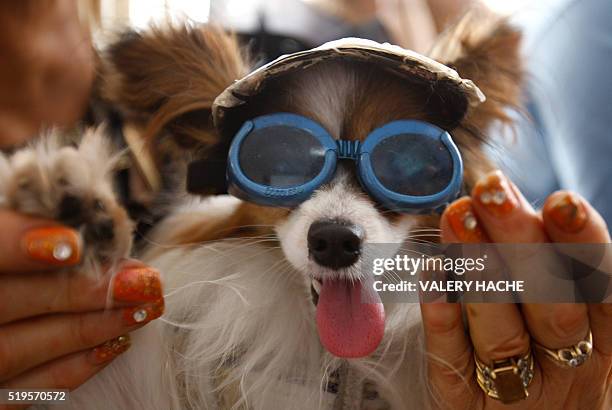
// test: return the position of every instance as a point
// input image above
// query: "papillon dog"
(323, 152)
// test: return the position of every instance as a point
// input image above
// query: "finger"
(70, 371)
(449, 353)
(508, 217)
(569, 218)
(22, 348)
(459, 223)
(557, 325)
(505, 215)
(30, 244)
(497, 330)
(600, 316)
(448, 347)
(23, 296)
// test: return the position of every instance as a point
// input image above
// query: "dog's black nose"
(335, 244)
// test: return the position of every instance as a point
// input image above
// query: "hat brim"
(454, 93)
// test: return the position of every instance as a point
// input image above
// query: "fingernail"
(139, 315)
(494, 193)
(463, 222)
(107, 351)
(55, 246)
(140, 284)
(567, 212)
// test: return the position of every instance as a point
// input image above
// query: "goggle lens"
(412, 164)
(281, 156)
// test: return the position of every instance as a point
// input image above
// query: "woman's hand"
(501, 331)
(55, 328)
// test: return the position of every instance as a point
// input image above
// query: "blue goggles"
(406, 166)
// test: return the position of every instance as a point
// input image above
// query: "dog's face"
(325, 236)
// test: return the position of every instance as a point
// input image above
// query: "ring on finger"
(506, 380)
(571, 356)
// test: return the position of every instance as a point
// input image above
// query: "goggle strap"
(348, 149)
(207, 177)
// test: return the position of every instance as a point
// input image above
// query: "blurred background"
(276, 27)
(562, 141)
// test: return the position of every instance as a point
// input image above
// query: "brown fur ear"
(484, 48)
(167, 78)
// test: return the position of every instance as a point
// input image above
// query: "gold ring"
(572, 356)
(506, 380)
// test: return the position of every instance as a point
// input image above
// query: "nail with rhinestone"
(495, 194)
(470, 222)
(107, 351)
(55, 246)
(140, 315)
(463, 222)
(499, 197)
(62, 251)
(485, 197)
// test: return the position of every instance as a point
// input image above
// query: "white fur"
(330, 94)
(242, 297)
(243, 307)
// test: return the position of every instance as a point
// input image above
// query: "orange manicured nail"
(495, 194)
(463, 222)
(567, 212)
(141, 284)
(139, 315)
(107, 351)
(55, 246)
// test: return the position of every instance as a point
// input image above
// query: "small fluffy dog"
(242, 282)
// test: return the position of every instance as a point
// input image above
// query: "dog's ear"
(167, 77)
(484, 48)
(164, 81)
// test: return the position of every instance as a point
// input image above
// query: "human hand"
(56, 326)
(497, 212)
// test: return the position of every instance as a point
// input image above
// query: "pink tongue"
(348, 327)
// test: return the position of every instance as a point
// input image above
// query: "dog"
(242, 281)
